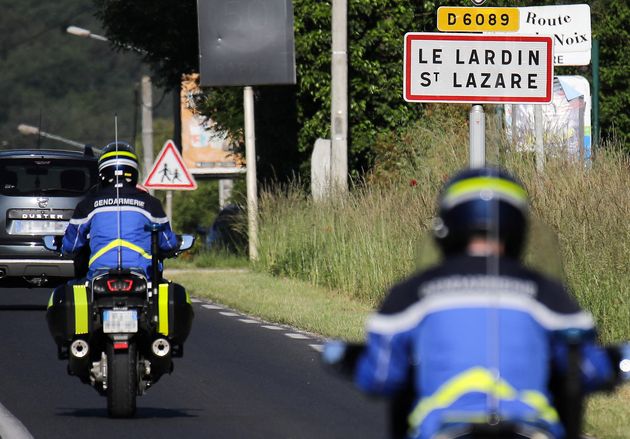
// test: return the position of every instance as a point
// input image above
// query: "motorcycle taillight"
(115, 285)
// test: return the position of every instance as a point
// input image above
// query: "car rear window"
(24, 177)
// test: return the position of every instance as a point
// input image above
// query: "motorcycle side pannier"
(175, 312)
(69, 313)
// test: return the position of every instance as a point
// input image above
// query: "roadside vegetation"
(325, 265)
(362, 243)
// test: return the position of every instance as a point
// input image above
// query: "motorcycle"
(120, 331)
(341, 358)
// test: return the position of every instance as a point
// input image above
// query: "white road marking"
(293, 335)
(11, 427)
(193, 300)
(212, 307)
(297, 336)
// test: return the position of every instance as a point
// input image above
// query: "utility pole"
(147, 102)
(147, 126)
(339, 97)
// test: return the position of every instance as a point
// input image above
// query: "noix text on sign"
(463, 19)
(570, 27)
(469, 68)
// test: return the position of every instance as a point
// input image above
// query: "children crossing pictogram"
(169, 171)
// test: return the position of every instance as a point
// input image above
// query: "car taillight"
(115, 285)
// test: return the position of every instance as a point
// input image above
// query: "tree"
(290, 119)
(375, 34)
(611, 22)
(166, 31)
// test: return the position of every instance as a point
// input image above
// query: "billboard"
(205, 150)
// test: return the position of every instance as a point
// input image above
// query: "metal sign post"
(246, 43)
(250, 153)
(477, 157)
(540, 146)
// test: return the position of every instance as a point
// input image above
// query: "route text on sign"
(569, 25)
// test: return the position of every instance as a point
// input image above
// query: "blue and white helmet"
(485, 202)
(118, 164)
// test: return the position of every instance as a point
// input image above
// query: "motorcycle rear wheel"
(122, 381)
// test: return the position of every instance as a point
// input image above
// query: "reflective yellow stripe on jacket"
(481, 380)
(122, 243)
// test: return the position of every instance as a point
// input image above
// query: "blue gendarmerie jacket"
(110, 221)
(473, 338)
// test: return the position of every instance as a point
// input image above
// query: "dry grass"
(362, 243)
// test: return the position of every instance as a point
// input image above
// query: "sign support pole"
(538, 129)
(250, 157)
(169, 205)
(581, 133)
(595, 69)
(477, 137)
(514, 127)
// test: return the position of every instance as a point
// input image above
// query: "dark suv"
(39, 190)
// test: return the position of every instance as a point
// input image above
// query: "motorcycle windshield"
(541, 251)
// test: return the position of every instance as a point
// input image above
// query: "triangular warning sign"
(169, 171)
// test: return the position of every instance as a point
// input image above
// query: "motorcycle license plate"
(115, 321)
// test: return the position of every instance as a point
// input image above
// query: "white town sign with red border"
(465, 68)
(169, 171)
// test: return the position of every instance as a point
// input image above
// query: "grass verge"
(330, 314)
(287, 301)
(607, 415)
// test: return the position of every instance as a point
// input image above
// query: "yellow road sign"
(464, 19)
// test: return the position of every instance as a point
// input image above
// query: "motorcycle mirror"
(187, 242)
(154, 227)
(624, 361)
(333, 352)
(49, 243)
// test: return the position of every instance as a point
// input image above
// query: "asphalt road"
(239, 378)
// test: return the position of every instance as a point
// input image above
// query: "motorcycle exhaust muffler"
(79, 349)
(161, 362)
(161, 347)
(79, 360)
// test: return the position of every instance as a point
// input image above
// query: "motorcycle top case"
(175, 312)
(69, 313)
